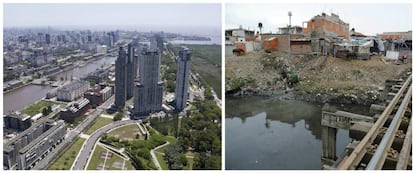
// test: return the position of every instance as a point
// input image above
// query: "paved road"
(86, 151)
(154, 157)
(71, 136)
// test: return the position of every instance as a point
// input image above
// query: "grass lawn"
(128, 132)
(66, 160)
(37, 107)
(190, 162)
(99, 122)
(111, 162)
(170, 139)
(160, 159)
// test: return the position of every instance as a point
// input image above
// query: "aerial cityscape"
(105, 93)
(318, 86)
(165, 86)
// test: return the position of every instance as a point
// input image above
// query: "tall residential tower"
(130, 76)
(120, 78)
(148, 87)
(182, 78)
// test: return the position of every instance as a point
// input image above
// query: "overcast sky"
(369, 19)
(154, 15)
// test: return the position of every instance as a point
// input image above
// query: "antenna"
(290, 16)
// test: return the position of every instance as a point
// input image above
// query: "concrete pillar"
(329, 144)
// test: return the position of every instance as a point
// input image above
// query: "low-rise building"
(98, 96)
(72, 91)
(17, 121)
(75, 110)
(396, 35)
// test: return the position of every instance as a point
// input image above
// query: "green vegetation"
(169, 73)
(8, 75)
(208, 94)
(128, 132)
(198, 131)
(37, 107)
(161, 160)
(167, 126)
(47, 110)
(66, 160)
(205, 161)
(118, 116)
(206, 60)
(198, 144)
(139, 150)
(110, 163)
(290, 76)
(175, 157)
(99, 122)
(237, 83)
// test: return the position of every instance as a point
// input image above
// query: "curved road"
(87, 148)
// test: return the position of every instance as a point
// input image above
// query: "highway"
(86, 151)
(72, 135)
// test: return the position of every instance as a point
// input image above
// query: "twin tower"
(139, 77)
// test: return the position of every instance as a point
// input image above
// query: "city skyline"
(181, 18)
(370, 19)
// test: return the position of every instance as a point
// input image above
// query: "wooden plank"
(404, 157)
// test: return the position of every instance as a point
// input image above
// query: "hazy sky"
(369, 19)
(188, 15)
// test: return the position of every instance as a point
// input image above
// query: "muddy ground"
(310, 77)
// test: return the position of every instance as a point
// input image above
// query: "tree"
(45, 111)
(118, 116)
(260, 25)
(92, 82)
(173, 157)
(49, 109)
(204, 161)
(208, 94)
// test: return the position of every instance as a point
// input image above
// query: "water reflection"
(268, 133)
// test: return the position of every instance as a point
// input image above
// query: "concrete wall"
(229, 50)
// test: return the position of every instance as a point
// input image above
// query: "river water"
(273, 134)
(22, 97)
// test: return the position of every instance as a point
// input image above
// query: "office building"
(182, 78)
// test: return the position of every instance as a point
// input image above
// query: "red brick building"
(325, 26)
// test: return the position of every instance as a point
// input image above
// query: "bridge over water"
(381, 142)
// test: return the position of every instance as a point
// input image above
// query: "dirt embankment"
(310, 78)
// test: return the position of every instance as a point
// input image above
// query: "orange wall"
(391, 37)
(270, 45)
